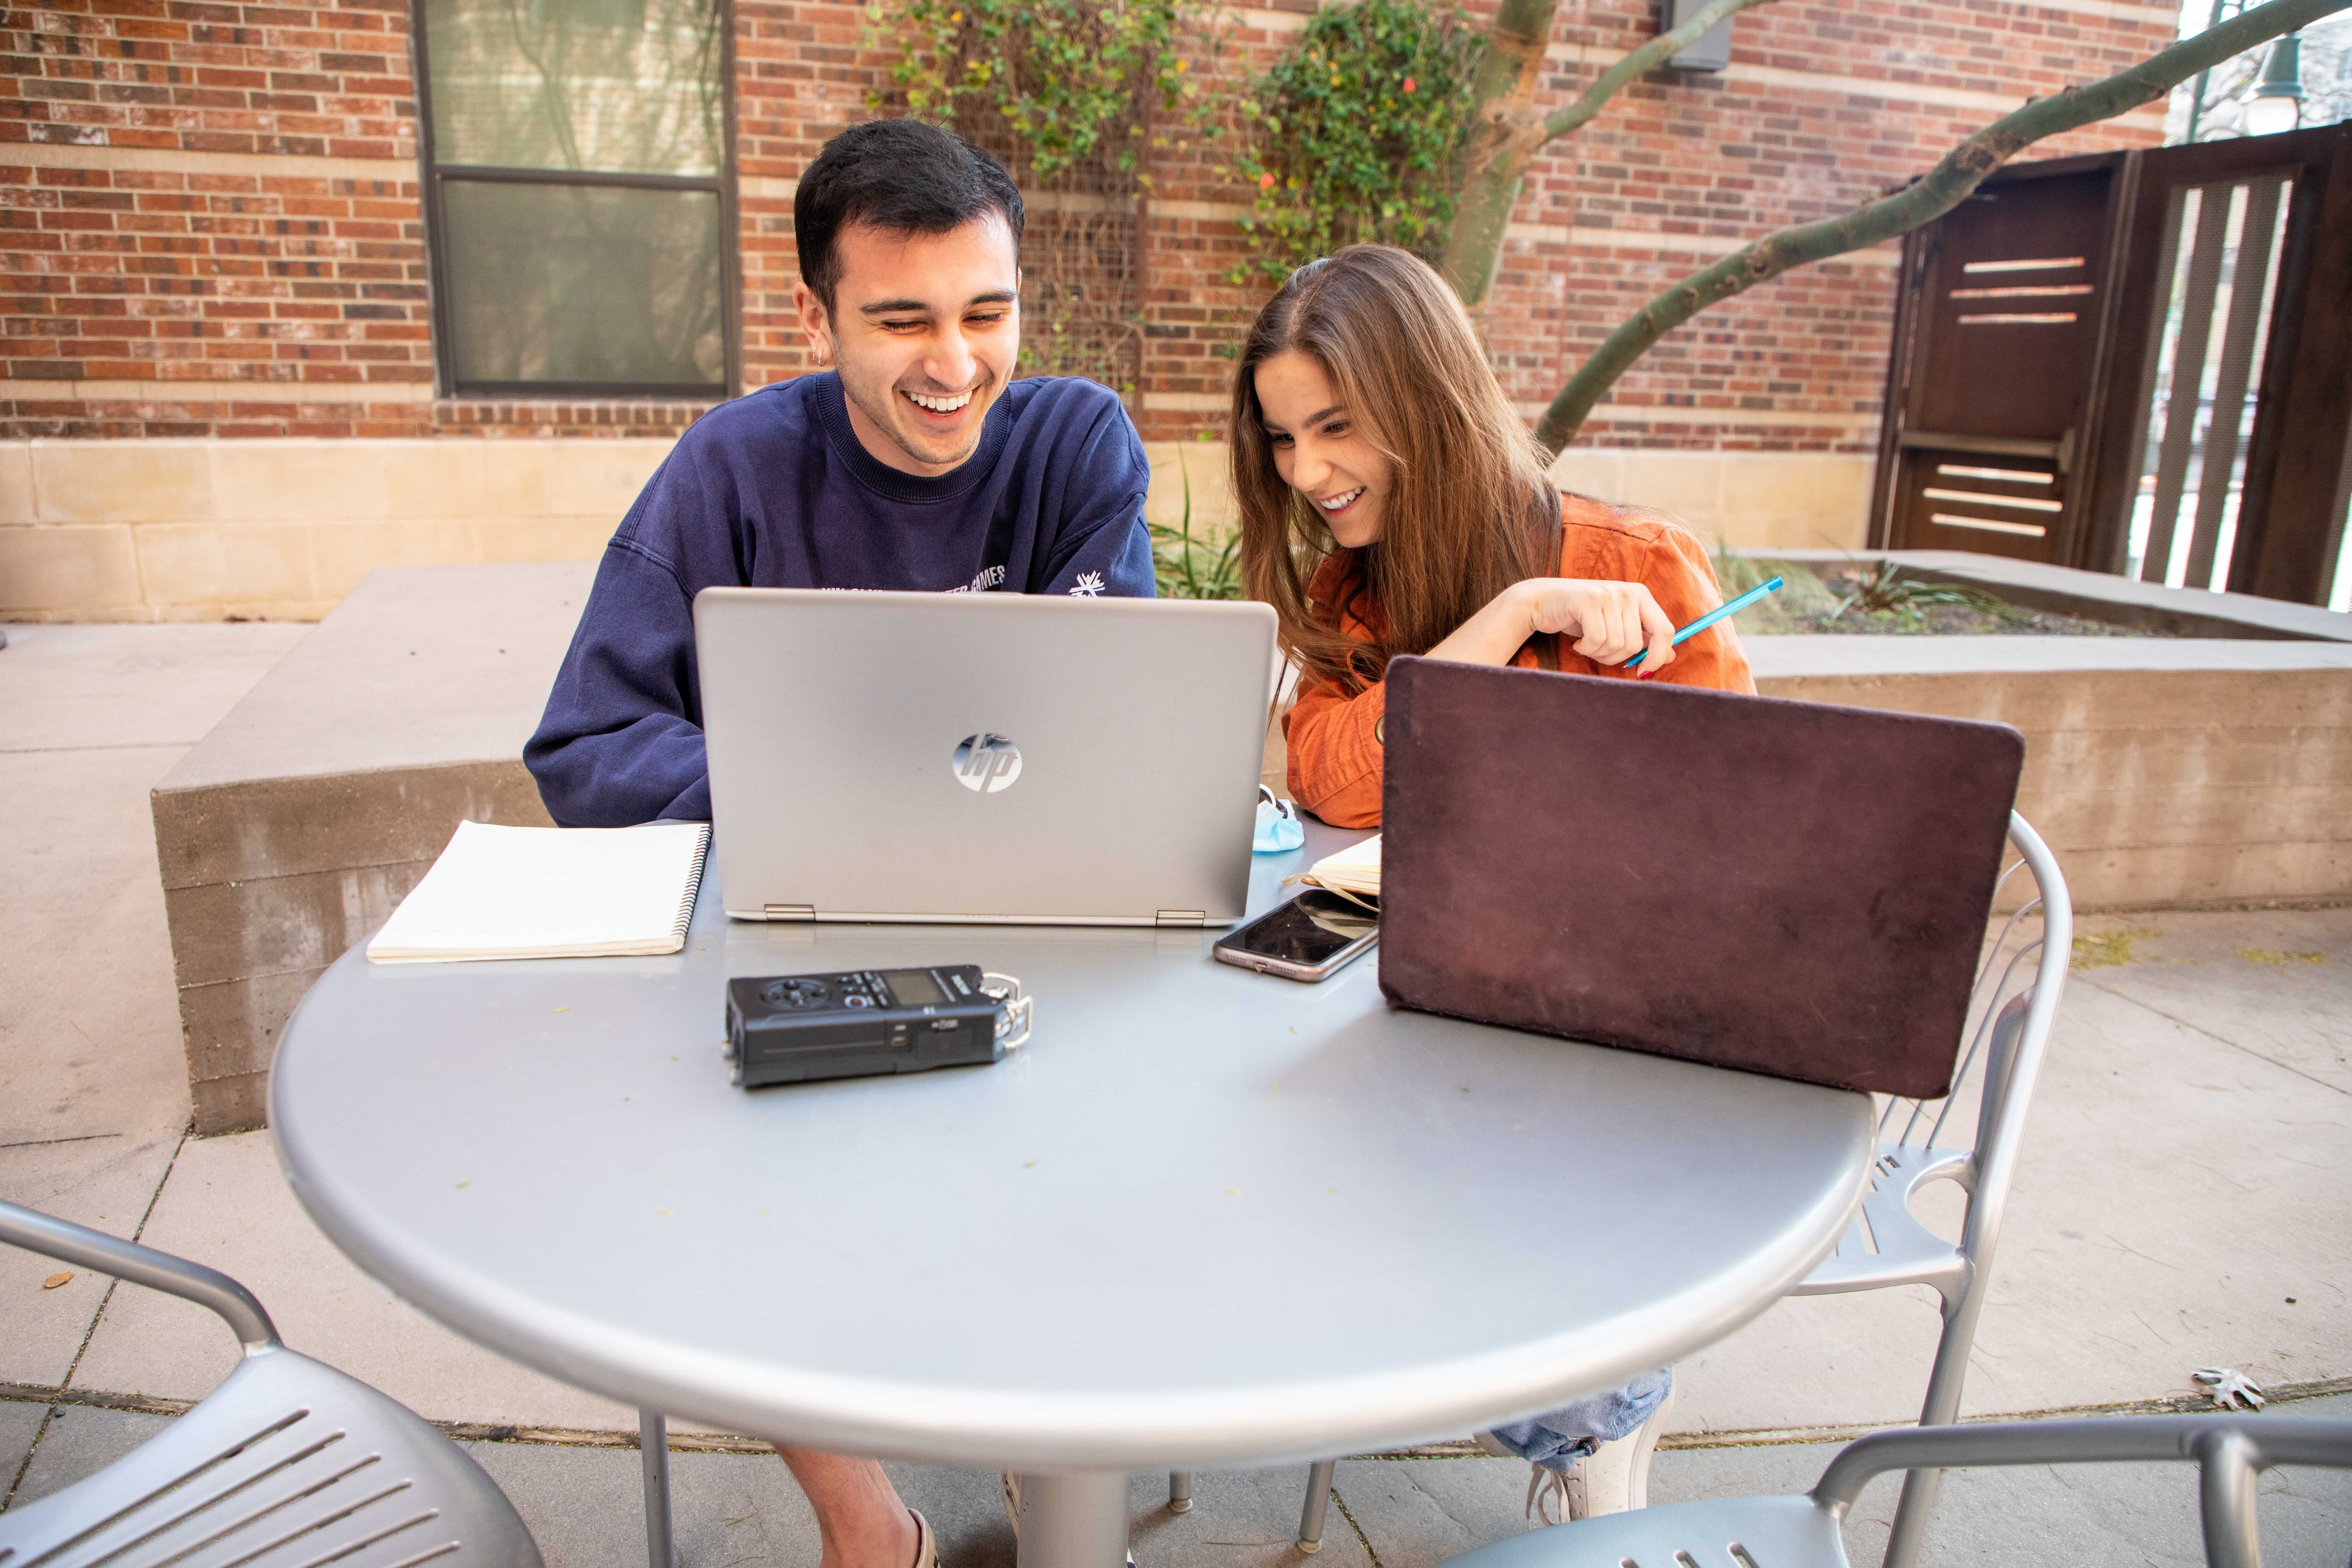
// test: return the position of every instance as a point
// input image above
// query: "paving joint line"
(2219, 1040)
(736, 1443)
(1348, 1514)
(96, 746)
(49, 1415)
(88, 1334)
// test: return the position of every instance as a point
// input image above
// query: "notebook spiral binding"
(693, 887)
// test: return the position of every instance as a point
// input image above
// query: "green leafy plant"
(1880, 588)
(1357, 135)
(1184, 567)
(1064, 77)
(1065, 91)
(1803, 601)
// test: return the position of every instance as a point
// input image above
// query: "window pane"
(613, 85)
(576, 283)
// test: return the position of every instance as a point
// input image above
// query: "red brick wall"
(153, 236)
(1711, 161)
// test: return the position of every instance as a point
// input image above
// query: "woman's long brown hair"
(1466, 476)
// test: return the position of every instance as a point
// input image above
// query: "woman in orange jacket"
(1393, 501)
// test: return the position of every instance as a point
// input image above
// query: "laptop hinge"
(791, 912)
(1180, 917)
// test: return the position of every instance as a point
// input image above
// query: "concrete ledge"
(2164, 773)
(305, 815)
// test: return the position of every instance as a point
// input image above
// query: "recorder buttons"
(795, 993)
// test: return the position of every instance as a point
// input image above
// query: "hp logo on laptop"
(987, 763)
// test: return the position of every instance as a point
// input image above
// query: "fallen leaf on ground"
(2107, 950)
(2230, 1388)
(54, 1281)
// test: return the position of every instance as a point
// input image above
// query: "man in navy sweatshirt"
(917, 463)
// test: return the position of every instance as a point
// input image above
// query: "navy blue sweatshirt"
(773, 490)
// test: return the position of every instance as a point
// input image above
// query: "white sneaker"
(1612, 1478)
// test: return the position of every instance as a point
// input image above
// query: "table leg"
(1073, 1520)
(653, 1444)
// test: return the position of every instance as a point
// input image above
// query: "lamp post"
(2277, 104)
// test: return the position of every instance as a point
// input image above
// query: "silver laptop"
(982, 757)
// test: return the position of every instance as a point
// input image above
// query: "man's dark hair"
(903, 176)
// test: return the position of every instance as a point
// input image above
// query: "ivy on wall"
(1065, 79)
(1065, 91)
(1357, 135)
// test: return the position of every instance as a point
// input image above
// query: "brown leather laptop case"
(1790, 888)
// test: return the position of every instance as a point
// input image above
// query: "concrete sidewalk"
(2183, 1200)
(740, 1510)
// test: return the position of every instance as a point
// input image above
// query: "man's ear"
(816, 323)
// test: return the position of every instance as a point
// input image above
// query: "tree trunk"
(1503, 106)
(1937, 192)
(1509, 131)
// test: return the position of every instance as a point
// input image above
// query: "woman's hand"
(1610, 622)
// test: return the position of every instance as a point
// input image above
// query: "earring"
(819, 350)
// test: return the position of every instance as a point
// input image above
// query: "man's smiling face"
(926, 329)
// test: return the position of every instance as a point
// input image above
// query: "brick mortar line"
(185, 161)
(732, 1443)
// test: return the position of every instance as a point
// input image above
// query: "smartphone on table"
(1312, 937)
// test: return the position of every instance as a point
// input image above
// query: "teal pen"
(1709, 619)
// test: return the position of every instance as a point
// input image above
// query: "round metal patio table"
(1204, 1218)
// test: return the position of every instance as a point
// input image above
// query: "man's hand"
(1610, 621)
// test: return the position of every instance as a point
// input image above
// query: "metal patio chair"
(288, 1464)
(2010, 1016)
(1802, 1531)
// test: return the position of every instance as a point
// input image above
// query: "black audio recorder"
(794, 1028)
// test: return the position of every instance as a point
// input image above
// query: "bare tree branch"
(1510, 131)
(1935, 194)
(1636, 64)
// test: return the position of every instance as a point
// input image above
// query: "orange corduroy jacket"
(1333, 737)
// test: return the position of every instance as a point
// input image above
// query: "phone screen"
(1313, 928)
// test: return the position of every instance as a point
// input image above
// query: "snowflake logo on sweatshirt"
(1089, 585)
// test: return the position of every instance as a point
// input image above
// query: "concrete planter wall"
(2164, 772)
(2179, 773)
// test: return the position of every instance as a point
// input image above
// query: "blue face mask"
(1278, 827)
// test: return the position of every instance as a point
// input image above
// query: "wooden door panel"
(2004, 325)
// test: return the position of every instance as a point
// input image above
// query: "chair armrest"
(70, 1243)
(2271, 1440)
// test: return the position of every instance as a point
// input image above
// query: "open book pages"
(550, 892)
(1354, 870)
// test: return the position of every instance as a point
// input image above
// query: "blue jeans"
(1558, 1438)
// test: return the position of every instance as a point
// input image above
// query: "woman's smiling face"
(1319, 449)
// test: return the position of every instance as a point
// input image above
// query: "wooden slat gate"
(2139, 362)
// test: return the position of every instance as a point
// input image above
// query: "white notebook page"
(550, 892)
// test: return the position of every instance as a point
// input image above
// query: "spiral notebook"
(550, 892)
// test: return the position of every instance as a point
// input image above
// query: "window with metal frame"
(578, 162)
